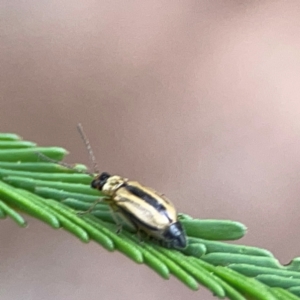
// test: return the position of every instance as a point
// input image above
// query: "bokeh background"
(198, 99)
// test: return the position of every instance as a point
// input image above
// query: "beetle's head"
(107, 183)
(100, 181)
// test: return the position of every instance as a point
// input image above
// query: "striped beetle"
(141, 207)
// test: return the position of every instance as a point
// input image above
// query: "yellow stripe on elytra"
(140, 209)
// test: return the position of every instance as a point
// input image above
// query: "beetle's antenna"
(88, 147)
(68, 166)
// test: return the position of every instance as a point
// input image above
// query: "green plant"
(55, 195)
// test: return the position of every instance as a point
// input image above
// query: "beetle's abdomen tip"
(180, 241)
(176, 235)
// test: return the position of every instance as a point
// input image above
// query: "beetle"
(143, 208)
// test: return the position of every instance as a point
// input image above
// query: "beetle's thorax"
(112, 184)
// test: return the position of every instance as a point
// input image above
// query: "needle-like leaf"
(56, 195)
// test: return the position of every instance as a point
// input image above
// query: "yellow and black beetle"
(143, 208)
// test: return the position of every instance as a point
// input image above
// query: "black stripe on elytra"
(146, 197)
(136, 222)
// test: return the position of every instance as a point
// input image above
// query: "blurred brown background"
(198, 99)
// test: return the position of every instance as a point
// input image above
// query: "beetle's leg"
(139, 235)
(91, 208)
(119, 228)
(119, 225)
(114, 211)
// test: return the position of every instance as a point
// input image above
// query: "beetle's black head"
(99, 181)
(175, 236)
